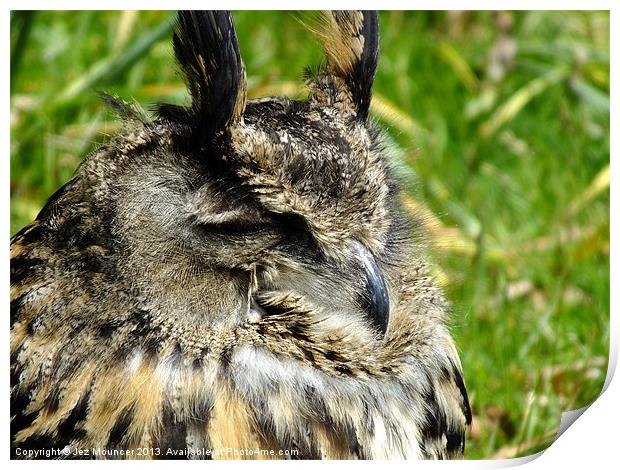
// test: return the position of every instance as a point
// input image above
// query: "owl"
(235, 279)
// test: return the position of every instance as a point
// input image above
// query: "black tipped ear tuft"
(205, 45)
(351, 43)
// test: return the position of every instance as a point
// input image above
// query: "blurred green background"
(500, 124)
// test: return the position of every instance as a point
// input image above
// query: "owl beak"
(375, 300)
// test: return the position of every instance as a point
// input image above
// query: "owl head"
(275, 194)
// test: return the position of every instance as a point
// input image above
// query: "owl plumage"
(235, 275)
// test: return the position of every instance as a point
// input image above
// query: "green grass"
(502, 125)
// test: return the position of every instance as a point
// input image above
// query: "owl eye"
(289, 222)
(241, 227)
(292, 227)
(296, 232)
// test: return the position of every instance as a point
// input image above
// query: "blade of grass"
(460, 66)
(519, 99)
(26, 19)
(388, 112)
(111, 67)
(125, 27)
(596, 98)
(599, 184)
(526, 418)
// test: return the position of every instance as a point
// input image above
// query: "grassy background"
(502, 125)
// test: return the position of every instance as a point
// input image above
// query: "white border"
(592, 441)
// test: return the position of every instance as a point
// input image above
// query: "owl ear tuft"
(350, 40)
(205, 45)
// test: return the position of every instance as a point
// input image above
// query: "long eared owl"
(235, 278)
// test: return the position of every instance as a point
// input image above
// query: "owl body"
(234, 279)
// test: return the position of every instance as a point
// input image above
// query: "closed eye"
(237, 227)
(292, 229)
(298, 235)
(291, 223)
